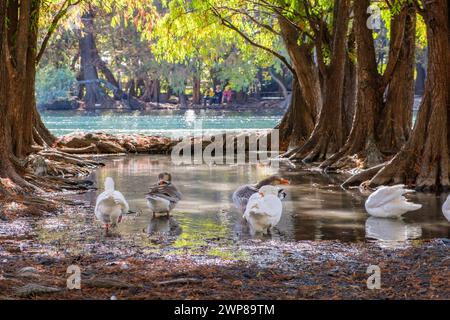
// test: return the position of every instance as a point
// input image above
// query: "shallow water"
(315, 208)
(172, 123)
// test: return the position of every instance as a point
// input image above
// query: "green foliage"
(195, 31)
(54, 84)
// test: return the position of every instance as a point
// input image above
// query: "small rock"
(124, 266)
(113, 298)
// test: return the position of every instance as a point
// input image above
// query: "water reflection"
(391, 230)
(315, 207)
(163, 225)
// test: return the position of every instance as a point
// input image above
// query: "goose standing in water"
(163, 196)
(389, 202)
(242, 194)
(264, 210)
(110, 205)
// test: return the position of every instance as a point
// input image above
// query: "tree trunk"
(367, 132)
(303, 64)
(95, 96)
(327, 135)
(395, 123)
(424, 161)
(350, 89)
(362, 135)
(241, 97)
(148, 90)
(18, 37)
(196, 91)
(182, 100)
(298, 121)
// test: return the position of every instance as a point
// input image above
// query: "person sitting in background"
(209, 96)
(217, 95)
(227, 95)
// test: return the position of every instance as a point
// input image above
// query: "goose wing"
(384, 195)
(120, 199)
(168, 192)
(242, 195)
(102, 197)
(446, 208)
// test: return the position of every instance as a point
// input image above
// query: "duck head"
(164, 178)
(269, 190)
(274, 180)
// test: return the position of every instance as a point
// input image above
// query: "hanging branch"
(231, 26)
(61, 13)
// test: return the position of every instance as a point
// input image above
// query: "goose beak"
(284, 181)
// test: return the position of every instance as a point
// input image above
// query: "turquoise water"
(176, 123)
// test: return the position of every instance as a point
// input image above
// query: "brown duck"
(163, 196)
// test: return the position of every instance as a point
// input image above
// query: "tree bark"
(196, 91)
(424, 161)
(328, 135)
(395, 123)
(95, 96)
(370, 135)
(350, 89)
(298, 121)
(17, 100)
(303, 64)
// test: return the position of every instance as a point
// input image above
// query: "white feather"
(158, 204)
(110, 204)
(263, 211)
(389, 202)
(446, 208)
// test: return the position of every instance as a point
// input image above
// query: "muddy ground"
(35, 255)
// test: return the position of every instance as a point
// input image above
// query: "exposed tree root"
(367, 153)
(317, 148)
(362, 176)
(29, 181)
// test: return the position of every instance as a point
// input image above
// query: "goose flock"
(260, 203)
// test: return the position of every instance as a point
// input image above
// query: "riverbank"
(186, 261)
(104, 143)
(34, 261)
(149, 106)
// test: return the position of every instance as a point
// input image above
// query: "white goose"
(446, 208)
(110, 205)
(389, 202)
(264, 210)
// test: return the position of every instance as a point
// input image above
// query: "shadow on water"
(315, 208)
